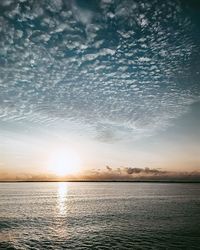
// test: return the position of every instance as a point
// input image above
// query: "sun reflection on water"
(62, 197)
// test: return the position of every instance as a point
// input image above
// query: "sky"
(113, 86)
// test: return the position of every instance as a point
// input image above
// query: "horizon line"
(129, 181)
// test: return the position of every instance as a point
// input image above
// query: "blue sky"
(101, 77)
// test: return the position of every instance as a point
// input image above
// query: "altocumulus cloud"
(120, 66)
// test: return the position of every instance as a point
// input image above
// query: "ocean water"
(99, 216)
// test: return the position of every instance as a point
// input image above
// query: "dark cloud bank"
(140, 174)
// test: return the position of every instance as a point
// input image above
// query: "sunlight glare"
(64, 162)
(62, 196)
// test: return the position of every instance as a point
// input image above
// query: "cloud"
(108, 168)
(129, 71)
(82, 15)
(137, 174)
(144, 171)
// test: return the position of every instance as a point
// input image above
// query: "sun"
(64, 162)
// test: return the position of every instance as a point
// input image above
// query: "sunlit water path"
(99, 216)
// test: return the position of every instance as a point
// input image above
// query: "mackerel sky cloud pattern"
(113, 67)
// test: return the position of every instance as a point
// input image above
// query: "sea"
(99, 215)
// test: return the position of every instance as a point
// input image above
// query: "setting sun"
(64, 162)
